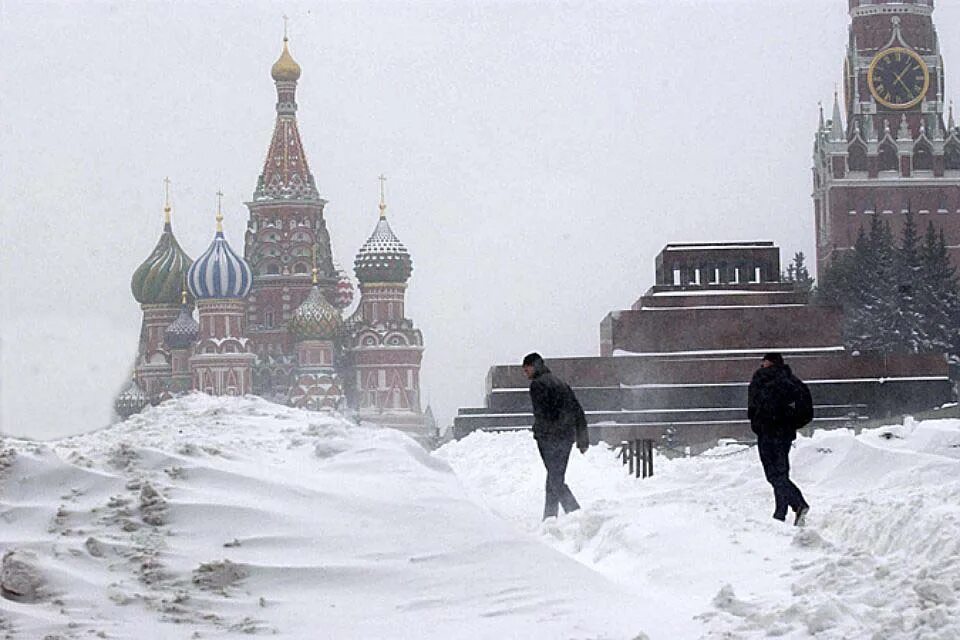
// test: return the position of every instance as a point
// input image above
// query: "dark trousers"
(555, 454)
(775, 457)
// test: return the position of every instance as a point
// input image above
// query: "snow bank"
(218, 518)
(880, 559)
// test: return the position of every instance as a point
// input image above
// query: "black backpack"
(798, 411)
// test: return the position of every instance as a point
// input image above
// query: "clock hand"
(902, 84)
(899, 78)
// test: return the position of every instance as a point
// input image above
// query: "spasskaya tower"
(894, 147)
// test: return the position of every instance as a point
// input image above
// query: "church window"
(273, 269)
(299, 268)
(857, 158)
(888, 158)
(382, 379)
(952, 157)
(268, 319)
(922, 157)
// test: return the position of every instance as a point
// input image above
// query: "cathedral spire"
(286, 174)
(219, 212)
(383, 204)
(950, 123)
(166, 203)
(821, 126)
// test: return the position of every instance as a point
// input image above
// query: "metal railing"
(638, 454)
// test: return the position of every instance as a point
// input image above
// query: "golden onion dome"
(285, 68)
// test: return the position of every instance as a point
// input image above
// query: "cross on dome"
(383, 205)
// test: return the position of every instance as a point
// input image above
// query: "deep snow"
(879, 559)
(218, 518)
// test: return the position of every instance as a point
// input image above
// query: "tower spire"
(383, 204)
(166, 202)
(219, 212)
(822, 126)
(950, 123)
(836, 126)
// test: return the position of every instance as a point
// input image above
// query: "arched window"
(300, 268)
(952, 156)
(922, 157)
(888, 157)
(273, 269)
(857, 157)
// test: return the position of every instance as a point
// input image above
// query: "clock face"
(898, 78)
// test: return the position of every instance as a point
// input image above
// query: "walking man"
(775, 400)
(558, 422)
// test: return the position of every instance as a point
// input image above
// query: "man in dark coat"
(558, 422)
(771, 392)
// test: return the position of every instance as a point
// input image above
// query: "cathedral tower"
(890, 152)
(314, 327)
(220, 280)
(384, 346)
(285, 229)
(156, 285)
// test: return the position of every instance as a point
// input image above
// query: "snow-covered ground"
(880, 558)
(218, 518)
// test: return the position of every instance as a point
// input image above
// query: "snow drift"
(217, 517)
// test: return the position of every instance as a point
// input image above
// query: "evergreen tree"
(941, 304)
(798, 274)
(908, 323)
(904, 298)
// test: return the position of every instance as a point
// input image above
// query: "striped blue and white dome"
(219, 272)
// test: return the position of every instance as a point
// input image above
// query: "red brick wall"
(721, 329)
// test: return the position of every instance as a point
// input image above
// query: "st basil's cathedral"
(271, 323)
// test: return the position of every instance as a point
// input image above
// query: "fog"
(538, 157)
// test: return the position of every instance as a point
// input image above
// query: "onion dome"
(131, 400)
(159, 279)
(383, 258)
(315, 319)
(219, 272)
(344, 289)
(285, 69)
(183, 331)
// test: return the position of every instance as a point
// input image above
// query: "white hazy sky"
(538, 155)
